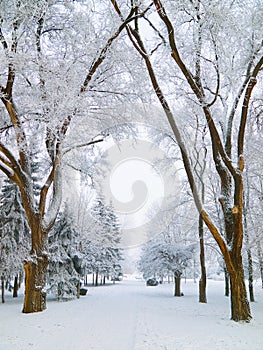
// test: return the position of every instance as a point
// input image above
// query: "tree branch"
(216, 65)
(218, 149)
(138, 44)
(15, 173)
(250, 87)
(3, 41)
(11, 68)
(46, 187)
(103, 52)
(82, 145)
(20, 134)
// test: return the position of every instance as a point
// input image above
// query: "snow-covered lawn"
(129, 315)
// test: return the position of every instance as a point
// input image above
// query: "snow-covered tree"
(102, 245)
(163, 256)
(65, 265)
(219, 82)
(50, 55)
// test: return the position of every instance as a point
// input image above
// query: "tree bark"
(15, 287)
(240, 310)
(60, 290)
(246, 234)
(78, 290)
(177, 285)
(226, 282)
(3, 288)
(202, 282)
(35, 282)
(260, 258)
(202, 291)
(20, 279)
(250, 275)
(96, 279)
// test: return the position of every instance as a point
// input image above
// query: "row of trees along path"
(40, 90)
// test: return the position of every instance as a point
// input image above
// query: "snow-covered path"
(131, 316)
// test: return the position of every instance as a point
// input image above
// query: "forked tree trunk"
(35, 282)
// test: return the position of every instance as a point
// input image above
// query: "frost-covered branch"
(104, 51)
(82, 145)
(218, 149)
(252, 82)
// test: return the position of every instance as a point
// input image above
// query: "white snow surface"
(131, 316)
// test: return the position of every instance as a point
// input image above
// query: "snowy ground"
(131, 316)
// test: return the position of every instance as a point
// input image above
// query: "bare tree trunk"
(246, 234)
(260, 258)
(35, 282)
(226, 282)
(36, 269)
(250, 265)
(15, 287)
(60, 290)
(78, 290)
(202, 282)
(177, 284)
(96, 278)
(20, 279)
(3, 288)
(240, 310)
(250, 275)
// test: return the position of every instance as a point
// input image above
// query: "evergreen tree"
(65, 264)
(115, 250)
(104, 243)
(14, 233)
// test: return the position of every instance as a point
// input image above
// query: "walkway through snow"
(131, 316)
